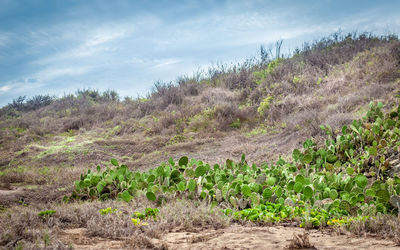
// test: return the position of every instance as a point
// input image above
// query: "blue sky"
(55, 47)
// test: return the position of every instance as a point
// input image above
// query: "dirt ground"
(233, 237)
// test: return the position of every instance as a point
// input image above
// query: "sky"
(56, 47)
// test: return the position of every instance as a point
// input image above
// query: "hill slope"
(260, 108)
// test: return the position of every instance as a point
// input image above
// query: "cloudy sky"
(55, 47)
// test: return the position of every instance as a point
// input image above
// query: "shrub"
(167, 94)
(264, 105)
(226, 114)
(202, 121)
(261, 76)
(46, 213)
(22, 104)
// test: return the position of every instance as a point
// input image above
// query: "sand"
(234, 237)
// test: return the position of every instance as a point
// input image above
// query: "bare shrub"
(227, 114)
(338, 120)
(283, 72)
(137, 108)
(23, 104)
(383, 225)
(190, 86)
(300, 241)
(111, 226)
(23, 176)
(189, 216)
(74, 124)
(24, 228)
(308, 121)
(282, 108)
(213, 96)
(23, 223)
(339, 48)
(239, 78)
(256, 96)
(347, 103)
(166, 94)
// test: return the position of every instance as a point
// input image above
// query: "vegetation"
(350, 175)
(46, 213)
(320, 130)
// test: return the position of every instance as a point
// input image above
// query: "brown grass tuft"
(387, 226)
(300, 241)
(191, 216)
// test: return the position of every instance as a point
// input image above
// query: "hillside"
(263, 108)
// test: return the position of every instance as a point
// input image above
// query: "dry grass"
(300, 241)
(386, 226)
(22, 225)
(191, 216)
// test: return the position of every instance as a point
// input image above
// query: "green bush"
(264, 105)
(46, 213)
(260, 76)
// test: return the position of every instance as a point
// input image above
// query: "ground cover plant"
(351, 177)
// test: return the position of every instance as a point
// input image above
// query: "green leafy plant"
(138, 223)
(261, 75)
(108, 210)
(264, 105)
(149, 213)
(46, 213)
(321, 182)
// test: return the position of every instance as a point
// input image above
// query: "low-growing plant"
(296, 79)
(108, 210)
(148, 213)
(235, 124)
(264, 105)
(177, 139)
(137, 222)
(321, 184)
(261, 76)
(151, 212)
(46, 213)
(138, 218)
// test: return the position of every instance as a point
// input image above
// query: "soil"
(77, 238)
(233, 237)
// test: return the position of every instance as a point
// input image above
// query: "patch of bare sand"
(78, 239)
(234, 237)
(277, 237)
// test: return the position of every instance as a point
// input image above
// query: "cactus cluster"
(354, 173)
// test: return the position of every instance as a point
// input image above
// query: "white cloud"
(54, 73)
(5, 88)
(166, 62)
(107, 34)
(21, 86)
(40, 79)
(4, 39)
(82, 42)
